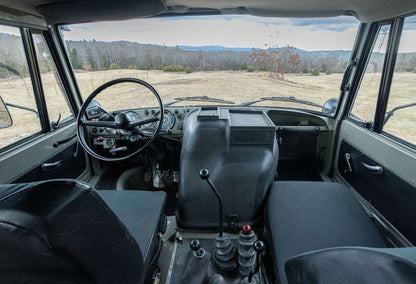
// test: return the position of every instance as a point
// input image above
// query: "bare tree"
(281, 60)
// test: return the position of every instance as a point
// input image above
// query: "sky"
(229, 31)
(337, 33)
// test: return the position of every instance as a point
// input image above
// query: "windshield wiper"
(199, 99)
(282, 99)
(390, 113)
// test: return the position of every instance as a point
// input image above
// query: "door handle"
(377, 170)
(50, 166)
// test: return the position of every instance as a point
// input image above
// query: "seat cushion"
(307, 216)
(141, 212)
(354, 265)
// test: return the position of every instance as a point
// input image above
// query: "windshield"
(218, 60)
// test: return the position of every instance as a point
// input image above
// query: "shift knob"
(259, 247)
(204, 174)
(195, 245)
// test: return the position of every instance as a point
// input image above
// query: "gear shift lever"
(204, 174)
(224, 252)
(259, 247)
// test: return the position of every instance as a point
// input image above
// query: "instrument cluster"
(173, 118)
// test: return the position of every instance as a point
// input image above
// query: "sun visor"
(71, 12)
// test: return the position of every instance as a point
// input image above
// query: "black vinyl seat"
(307, 216)
(145, 226)
(345, 265)
(63, 231)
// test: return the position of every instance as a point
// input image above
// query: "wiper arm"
(282, 99)
(199, 99)
(390, 113)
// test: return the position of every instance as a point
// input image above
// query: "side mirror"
(5, 117)
(330, 106)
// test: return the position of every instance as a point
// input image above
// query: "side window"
(400, 118)
(56, 102)
(364, 107)
(16, 90)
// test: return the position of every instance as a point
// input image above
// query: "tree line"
(97, 55)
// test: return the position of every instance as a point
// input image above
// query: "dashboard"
(174, 117)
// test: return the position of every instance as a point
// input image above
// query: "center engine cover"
(239, 149)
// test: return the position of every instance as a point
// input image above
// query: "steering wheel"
(121, 122)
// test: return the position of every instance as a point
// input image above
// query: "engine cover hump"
(239, 148)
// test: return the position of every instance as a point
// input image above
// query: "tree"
(315, 72)
(75, 59)
(281, 60)
(113, 66)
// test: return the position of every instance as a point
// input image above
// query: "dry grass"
(230, 85)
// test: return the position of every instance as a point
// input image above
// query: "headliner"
(78, 11)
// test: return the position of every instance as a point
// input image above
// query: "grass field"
(230, 85)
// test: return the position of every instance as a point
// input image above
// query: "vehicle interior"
(196, 141)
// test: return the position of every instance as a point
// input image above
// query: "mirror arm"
(23, 107)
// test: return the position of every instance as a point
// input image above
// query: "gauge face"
(168, 120)
(132, 116)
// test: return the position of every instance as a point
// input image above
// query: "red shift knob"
(246, 229)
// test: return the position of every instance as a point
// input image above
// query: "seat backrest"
(354, 265)
(62, 231)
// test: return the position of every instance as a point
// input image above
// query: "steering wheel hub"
(122, 120)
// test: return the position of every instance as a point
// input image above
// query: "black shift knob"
(195, 245)
(259, 247)
(204, 174)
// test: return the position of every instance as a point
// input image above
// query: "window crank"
(348, 160)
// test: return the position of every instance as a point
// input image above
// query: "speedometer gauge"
(132, 116)
(168, 121)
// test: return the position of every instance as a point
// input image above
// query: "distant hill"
(101, 55)
(214, 48)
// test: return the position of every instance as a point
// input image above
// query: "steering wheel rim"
(81, 113)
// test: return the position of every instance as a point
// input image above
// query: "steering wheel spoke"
(142, 122)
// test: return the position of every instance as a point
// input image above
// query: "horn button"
(122, 120)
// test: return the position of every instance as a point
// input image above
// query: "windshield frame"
(340, 94)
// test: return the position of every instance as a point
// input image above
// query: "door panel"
(392, 193)
(393, 197)
(23, 163)
(67, 163)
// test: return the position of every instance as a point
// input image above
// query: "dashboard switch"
(180, 126)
